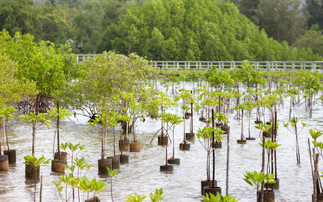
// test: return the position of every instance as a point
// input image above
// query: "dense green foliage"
(41, 62)
(315, 11)
(172, 30)
(20, 16)
(203, 30)
(284, 20)
(313, 39)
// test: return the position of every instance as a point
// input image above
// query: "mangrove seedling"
(206, 134)
(72, 148)
(249, 107)
(293, 122)
(264, 127)
(174, 120)
(87, 187)
(269, 145)
(315, 134)
(209, 197)
(112, 174)
(256, 179)
(184, 99)
(5, 114)
(157, 195)
(70, 183)
(35, 163)
(59, 114)
(135, 198)
(33, 119)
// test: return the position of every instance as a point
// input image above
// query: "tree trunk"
(4, 134)
(57, 128)
(34, 133)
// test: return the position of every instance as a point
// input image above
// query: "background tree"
(313, 39)
(315, 11)
(284, 20)
(20, 16)
(204, 30)
(55, 27)
(49, 67)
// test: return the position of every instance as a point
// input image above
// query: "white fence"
(229, 65)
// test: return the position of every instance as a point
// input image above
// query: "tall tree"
(313, 39)
(315, 11)
(197, 30)
(54, 27)
(20, 16)
(284, 20)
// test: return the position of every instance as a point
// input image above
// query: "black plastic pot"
(267, 134)
(226, 129)
(93, 199)
(135, 147)
(250, 138)
(213, 191)
(269, 196)
(175, 161)
(203, 119)
(206, 183)
(273, 185)
(219, 124)
(115, 162)
(124, 159)
(256, 122)
(242, 141)
(11, 156)
(184, 146)
(190, 136)
(4, 163)
(102, 164)
(217, 145)
(187, 115)
(58, 166)
(63, 156)
(125, 144)
(162, 140)
(319, 198)
(167, 168)
(31, 172)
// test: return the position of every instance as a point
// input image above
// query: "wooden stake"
(41, 189)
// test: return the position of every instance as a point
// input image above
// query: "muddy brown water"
(142, 174)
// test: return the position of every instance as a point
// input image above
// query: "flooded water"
(142, 174)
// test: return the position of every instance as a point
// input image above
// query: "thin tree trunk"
(242, 125)
(173, 142)
(111, 190)
(275, 157)
(191, 127)
(227, 170)
(114, 141)
(184, 125)
(290, 107)
(4, 134)
(57, 129)
(249, 123)
(263, 167)
(41, 189)
(34, 131)
(311, 105)
(213, 150)
(297, 144)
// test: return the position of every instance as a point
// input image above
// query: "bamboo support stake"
(309, 150)
(41, 189)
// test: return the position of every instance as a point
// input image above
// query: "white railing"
(229, 65)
